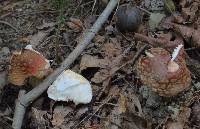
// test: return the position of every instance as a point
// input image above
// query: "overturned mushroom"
(27, 63)
(166, 75)
(70, 86)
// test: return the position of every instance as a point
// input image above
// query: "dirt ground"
(120, 99)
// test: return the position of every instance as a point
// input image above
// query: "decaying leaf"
(189, 34)
(75, 24)
(190, 12)
(174, 125)
(59, 114)
(92, 61)
(112, 48)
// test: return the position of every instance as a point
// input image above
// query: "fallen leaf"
(173, 125)
(190, 12)
(99, 39)
(75, 24)
(112, 48)
(101, 76)
(59, 114)
(188, 33)
(92, 61)
(155, 19)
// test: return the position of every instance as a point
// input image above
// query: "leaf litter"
(119, 98)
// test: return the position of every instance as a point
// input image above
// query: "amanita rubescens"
(25, 64)
(166, 75)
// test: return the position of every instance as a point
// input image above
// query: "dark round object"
(128, 18)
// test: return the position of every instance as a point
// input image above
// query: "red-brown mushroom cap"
(155, 73)
(25, 64)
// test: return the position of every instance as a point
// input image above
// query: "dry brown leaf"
(75, 24)
(191, 11)
(59, 114)
(100, 76)
(58, 119)
(112, 49)
(99, 39)
(92, 61)
(188, 34)
(173, 125)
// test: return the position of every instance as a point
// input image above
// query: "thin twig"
(95, 1)
(37, 91)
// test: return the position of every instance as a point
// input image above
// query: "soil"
(48, 27)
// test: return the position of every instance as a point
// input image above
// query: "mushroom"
(70, 86)
(166, 75)
(27, 63)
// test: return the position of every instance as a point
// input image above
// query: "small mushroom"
(27, 63)
(128, 18)
(166, 75)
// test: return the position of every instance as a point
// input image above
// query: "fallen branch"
(26, 99)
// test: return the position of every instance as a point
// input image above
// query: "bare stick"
(37, 91)
(20, 110)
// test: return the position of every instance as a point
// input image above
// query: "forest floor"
(120, 99)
